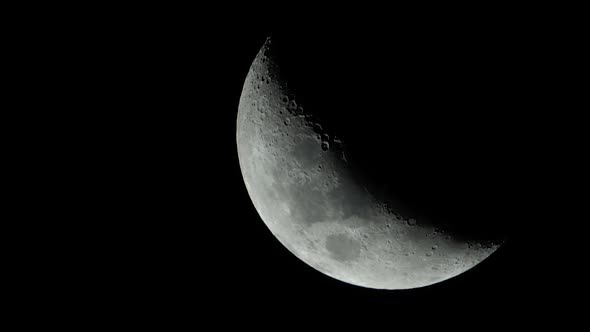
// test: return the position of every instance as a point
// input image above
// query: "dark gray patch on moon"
(342, 248)
(308, 205)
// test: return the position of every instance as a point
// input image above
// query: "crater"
(342, 248)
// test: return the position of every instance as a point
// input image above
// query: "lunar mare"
(301, 184)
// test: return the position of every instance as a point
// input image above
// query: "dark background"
(174, 236)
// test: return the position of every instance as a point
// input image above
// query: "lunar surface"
(304, 183)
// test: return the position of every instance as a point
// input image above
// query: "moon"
(306, 183)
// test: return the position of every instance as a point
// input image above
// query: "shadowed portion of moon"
(356, 158)
(426, 124)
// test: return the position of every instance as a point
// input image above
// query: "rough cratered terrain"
(312, 188)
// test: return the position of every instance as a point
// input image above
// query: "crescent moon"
(300, 181)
